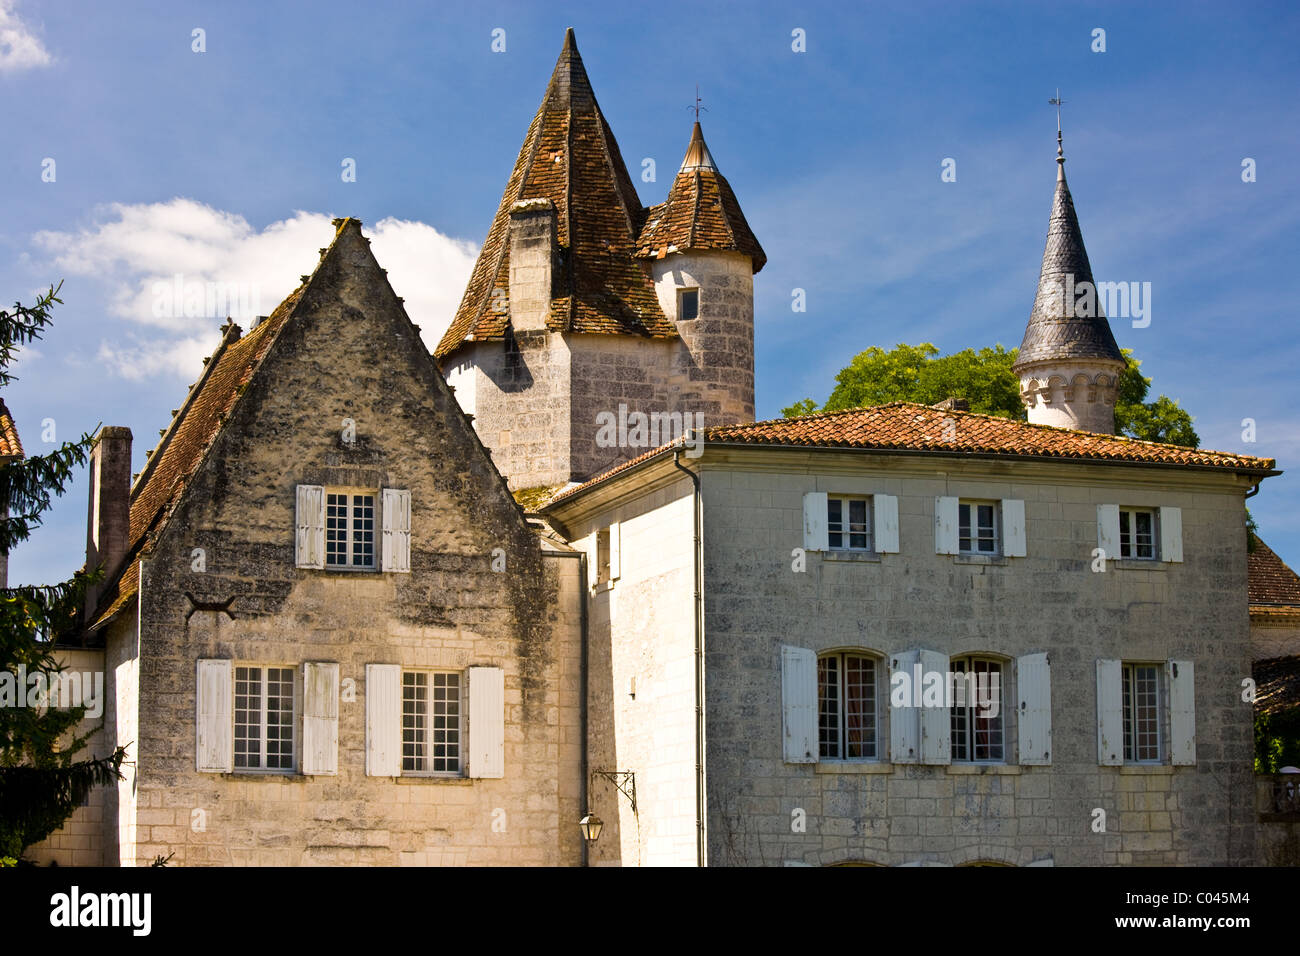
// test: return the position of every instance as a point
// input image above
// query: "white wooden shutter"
(814, 521)
(310, 520)
(1181, 678)
(885, 513)
(1108, 531)
(396, 552)
(214, 735)
(904, 721)
(945, 525)
(936, 722)
(487, 722)
(1110, 712)
(799, 702)
(1034, 719)
(383, 720)
(615, 551)
(1171, 534)
(320, 718)
(593, 559)
(1013, 528)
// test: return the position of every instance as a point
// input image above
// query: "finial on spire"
(1060, 150)
(697, 107)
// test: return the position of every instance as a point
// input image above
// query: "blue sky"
(226, 164)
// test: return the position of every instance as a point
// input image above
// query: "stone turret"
(1069, 364)
(579, 310)
(703, 257)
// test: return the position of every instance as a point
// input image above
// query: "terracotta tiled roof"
(1051, 334)
(906, 426)
(10, 446)
(569, 156)
(701, 212)
(186, 440)
(1271, 580)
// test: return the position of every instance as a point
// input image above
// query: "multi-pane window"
(846, 706)
(689, 304)
(977, 527)
(264, 719)
(349, 530)
(431, 722)
(1141, 695)
(1137, 533)
(848, 526)
(976, 712)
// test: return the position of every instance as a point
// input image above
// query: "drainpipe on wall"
(700, 807)
(583, 795)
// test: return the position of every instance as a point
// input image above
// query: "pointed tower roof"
(1052, 334)
(569, 156)
(701, 212)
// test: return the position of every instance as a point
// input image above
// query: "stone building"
(903, 635)
(330, 636)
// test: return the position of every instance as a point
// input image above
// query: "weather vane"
(697, 107)
(1057, 101)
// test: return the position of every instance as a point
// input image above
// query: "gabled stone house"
(332, 637)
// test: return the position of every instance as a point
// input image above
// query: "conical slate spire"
(569, 157)
(701, 212)
(1056, 330)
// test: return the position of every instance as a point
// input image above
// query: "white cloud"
(20, 49)
(175, 270)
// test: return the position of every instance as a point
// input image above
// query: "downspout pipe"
(701, 855)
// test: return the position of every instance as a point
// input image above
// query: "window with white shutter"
(885, 508)
(487, 722)
(904, 716)
(815, 536)
(383, 720)
(1171, 534)
(615, 550)
(320, 718)
(397, 530)
(799, 704)
(214, 692)
(1110, 711)
(1013, 528)
(1108, 531)
(936, 722)
(1181, 676)
(310, 520)
(945, 525)
(1034, 716)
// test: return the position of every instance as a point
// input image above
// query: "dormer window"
(688, 304)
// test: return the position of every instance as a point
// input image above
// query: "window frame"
(294, 724)
(971, 707)
(868, 505)
(874, 739)
(1129, 712)
(1128, 514)
(681, 303)
(376, 529)
(975, 503)
(462, 686)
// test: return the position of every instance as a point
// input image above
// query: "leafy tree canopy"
(918, 373)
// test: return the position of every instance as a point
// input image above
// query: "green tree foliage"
(918, 373)
(40, 782)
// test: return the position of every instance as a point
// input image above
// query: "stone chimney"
(953, 404)
(108, 529)
(532, 261)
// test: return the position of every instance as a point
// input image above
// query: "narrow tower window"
(688, 306)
